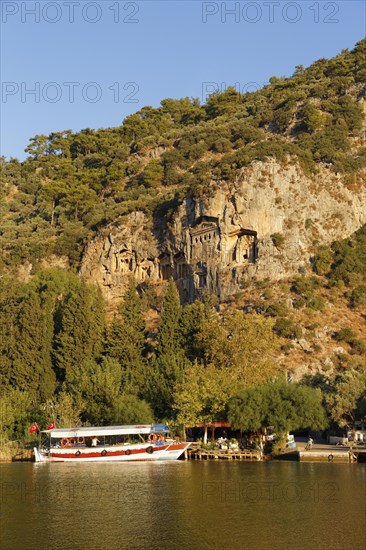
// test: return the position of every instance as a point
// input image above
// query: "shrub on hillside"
(358, 346)
(278, 239)
(302, 285)
(344, 335)
(278, 309)
(358, 296)
(323, 261)
(286, 328)
(316, 303)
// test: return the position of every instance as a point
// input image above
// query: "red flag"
(34, 428)
(51, 426)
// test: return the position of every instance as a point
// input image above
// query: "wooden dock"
(223, 454)
(319, 453)
(345, 454)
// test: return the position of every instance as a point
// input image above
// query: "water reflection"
(193, 505)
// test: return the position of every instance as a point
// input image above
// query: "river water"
(183, 505)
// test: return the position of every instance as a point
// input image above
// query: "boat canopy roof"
(90, 431)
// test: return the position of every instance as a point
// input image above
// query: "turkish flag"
(51, 426)
(34, 428)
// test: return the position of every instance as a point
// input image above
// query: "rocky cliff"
(265, 224)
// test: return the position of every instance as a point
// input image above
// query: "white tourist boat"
(109, 444)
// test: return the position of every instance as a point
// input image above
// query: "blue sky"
(118, 56)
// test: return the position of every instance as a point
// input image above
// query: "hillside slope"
(241, 188)
(253, 206)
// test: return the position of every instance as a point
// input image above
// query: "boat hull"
(133, 453)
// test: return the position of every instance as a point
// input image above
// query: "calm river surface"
(183, 505)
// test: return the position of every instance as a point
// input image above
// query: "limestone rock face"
(266, 224)
(119, 252)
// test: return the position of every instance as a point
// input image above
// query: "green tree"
(78, 200)
(64, 409)
(127, 342)
(80, 325)
(313, 118)
(129, 409)
(50, 197)
(99, 397)
(10, 296)
(202, 395)
(29, 345)
(247, 410)
(170, 360)
(169, 335)
(242, 343)
(350, 257)
(15, 414)
(153, 174)
(96, 387)
(323, 261)
(223, 103)
(284, 406)
(342, 396)
(194, 317)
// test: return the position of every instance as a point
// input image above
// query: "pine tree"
(131, 309)
(97, 386)
(127, 341)
(170, 359)
(33, 332)
(194, 317)
(80, 326)
(10, 297)
(169, 336)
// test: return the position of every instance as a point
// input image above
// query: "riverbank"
(16, 452)
(324, 452)
(321, 452)
(13, 451)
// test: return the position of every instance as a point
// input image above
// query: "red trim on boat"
(115, 453)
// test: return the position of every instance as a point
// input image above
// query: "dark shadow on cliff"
(162, 215)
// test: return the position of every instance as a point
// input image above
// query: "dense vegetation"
(285, 407)
(72, 184)
(344, 263)
(60, 360)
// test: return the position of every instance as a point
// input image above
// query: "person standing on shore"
(309, 444)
